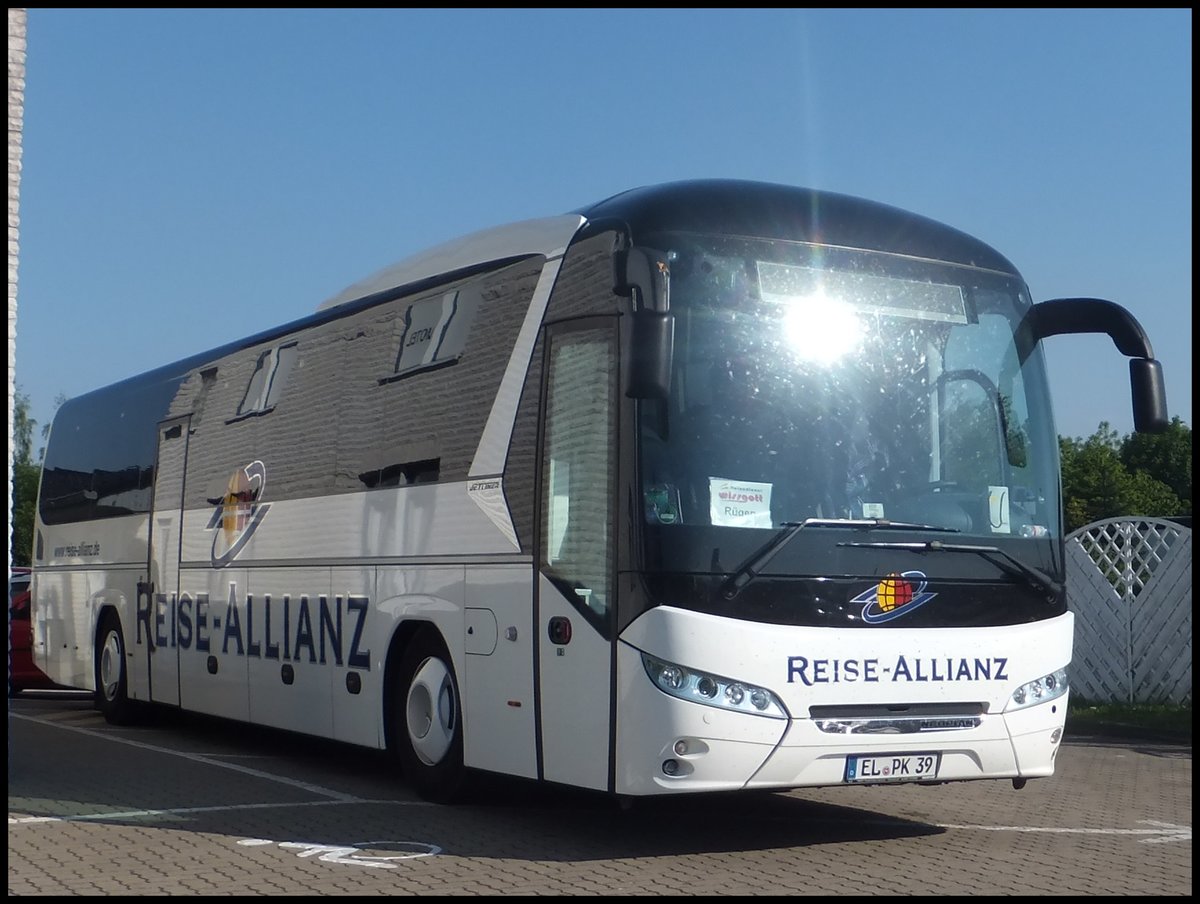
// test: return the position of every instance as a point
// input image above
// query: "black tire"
(112, 684)
(426, 719)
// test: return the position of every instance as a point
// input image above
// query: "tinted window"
(100, 458)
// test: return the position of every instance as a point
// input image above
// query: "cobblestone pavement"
(195, 806)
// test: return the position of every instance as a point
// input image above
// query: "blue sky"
(193, 176)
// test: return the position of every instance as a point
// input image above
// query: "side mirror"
(1095, 315)
(645, 275)
(652, 348)
(1149, 395)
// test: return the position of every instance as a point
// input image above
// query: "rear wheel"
(427, 734)
(112, 698)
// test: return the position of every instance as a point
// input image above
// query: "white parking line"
(199, 758)
(183, 811)
(1162, 832)
(1166, 831)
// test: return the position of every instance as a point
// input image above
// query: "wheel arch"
(102, 611)
(404, 634)
(104, 604)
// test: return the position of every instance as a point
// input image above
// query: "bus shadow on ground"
(575, 825)
(559, 832)
(500, 817)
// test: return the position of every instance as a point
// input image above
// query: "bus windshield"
(816, 382)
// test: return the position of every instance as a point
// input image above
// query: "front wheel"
(112, 698)
(427, 734)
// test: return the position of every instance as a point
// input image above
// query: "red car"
(22, 673)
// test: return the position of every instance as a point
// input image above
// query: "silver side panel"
(493, 445)
(548, 236)
(423, 521)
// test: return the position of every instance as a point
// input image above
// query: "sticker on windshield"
(739, 503)
(998, 510)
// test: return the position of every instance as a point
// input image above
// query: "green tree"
(26, 474)
(1098, 483)
(25, 486)
(1165, 457)
(22, 429)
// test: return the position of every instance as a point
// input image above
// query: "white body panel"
(211, 618)
(287, 649)
(100, 563)
(357, 715)
(576, 697)
(893, 666)
(499, 707)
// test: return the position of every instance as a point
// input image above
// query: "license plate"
(892, 767)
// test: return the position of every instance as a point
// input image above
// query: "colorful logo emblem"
(894, 596)
(238, 513)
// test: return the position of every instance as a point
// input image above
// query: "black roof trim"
(771, 210)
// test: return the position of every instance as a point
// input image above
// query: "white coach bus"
(707, 486)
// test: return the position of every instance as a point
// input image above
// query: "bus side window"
(578, 469)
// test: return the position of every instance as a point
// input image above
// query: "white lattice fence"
(1129, 583)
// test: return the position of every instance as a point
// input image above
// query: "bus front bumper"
(668, 746)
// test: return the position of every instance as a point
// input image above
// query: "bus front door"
(576, 558)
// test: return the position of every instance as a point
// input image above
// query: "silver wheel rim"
(110, 665)
(430, 711)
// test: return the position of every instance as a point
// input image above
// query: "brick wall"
(16, 111)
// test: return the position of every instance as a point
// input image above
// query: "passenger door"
(576, 581)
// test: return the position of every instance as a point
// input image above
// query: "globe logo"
(894, 596)
(893, 591)
(238, 513)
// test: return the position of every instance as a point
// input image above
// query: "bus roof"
(728, 206)
(770, 210)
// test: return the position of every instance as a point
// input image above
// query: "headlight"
(712, 690)
(1044, 689)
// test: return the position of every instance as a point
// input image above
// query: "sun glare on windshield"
(820, 329)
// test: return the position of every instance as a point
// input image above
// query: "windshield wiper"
(757, 560)
(1036, 578)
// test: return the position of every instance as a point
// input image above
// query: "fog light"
(1055, 735)
(681, 748)
(670, 767)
